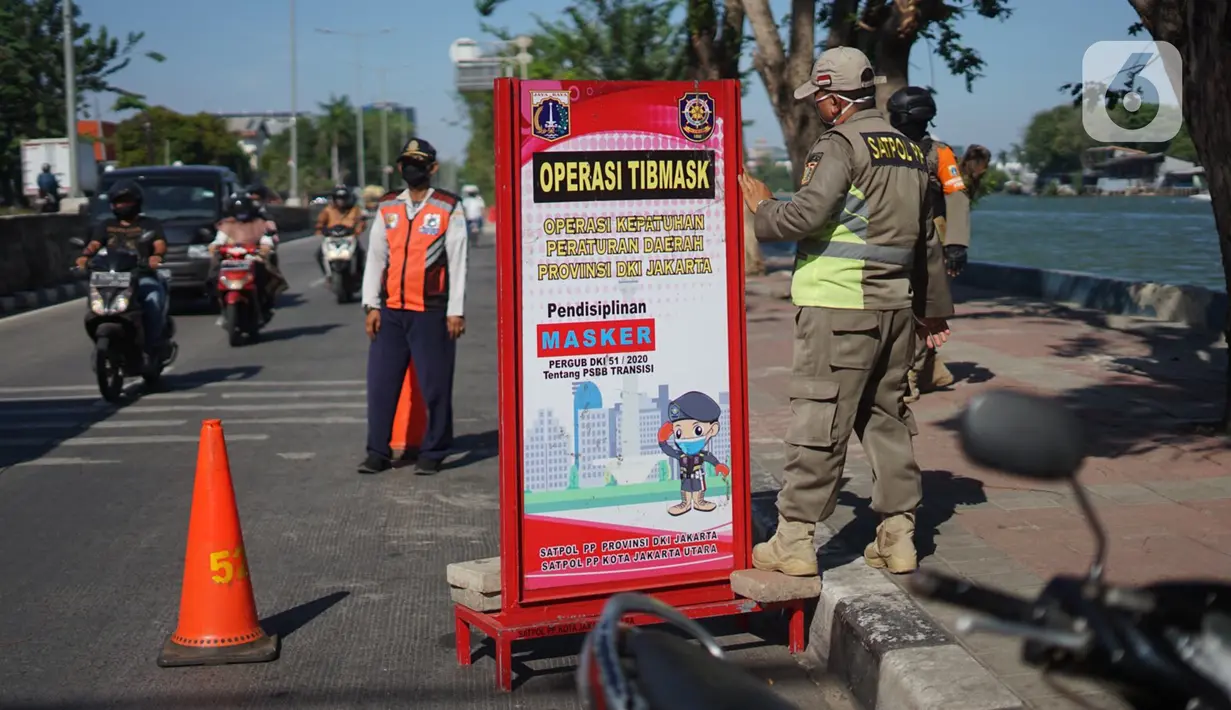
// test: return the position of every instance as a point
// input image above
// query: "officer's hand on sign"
(372, 323)
(955, 259)
(755, 191)
(935, 331)
(457, 326)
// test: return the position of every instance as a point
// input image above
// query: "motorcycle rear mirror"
(1032, 437)
(1024, 435)
(205, 233)
(77, 242)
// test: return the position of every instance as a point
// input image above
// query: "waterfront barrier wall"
(1197, 307)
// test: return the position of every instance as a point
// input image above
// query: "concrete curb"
(872, 636)
(41, 298)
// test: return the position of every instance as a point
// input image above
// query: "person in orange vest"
(414, 289)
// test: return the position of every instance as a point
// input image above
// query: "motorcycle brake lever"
(1076, 641)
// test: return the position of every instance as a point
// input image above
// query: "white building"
(547, 456)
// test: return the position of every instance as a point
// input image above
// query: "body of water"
(1169, 240)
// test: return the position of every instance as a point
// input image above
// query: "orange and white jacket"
(417, 255)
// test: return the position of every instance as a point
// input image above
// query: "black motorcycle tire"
(341, 289)
(234, 323)
(109, 371)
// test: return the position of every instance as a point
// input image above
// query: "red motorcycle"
(241, 299)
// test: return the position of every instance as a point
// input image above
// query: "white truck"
(54, 151)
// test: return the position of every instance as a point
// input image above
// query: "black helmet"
(242, 207)
(911, 110)
(126, 192)
(343, 193)
(259, 192)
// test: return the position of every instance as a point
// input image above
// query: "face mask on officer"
(831, 111)
(691, 438)
(416, 174)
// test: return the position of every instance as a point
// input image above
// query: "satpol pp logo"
(1140, 75)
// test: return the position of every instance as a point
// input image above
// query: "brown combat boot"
(683, 506)
(790, 551)
(934, 374)
(699, 503)
(912, 386)
(894, 546)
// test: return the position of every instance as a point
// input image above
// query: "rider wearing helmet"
(341, 210)
(474, 207)
(49, 189)
(244, 227)
(911, 111)
(128, 229)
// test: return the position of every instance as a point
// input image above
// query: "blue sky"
(233, 55)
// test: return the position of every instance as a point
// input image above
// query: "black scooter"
(1163, 646)
(113, 322)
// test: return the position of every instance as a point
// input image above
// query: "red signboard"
(623, 374)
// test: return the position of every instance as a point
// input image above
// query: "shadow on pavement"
(476, 447)
(285, 623)
(943, 492)
(297, 332)
(969, 372)
(1169, 392)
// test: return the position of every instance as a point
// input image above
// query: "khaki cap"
(838, 69)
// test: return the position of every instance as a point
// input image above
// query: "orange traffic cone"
(410, 421)
(218, 622)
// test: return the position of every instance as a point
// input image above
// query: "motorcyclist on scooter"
(474, 207)
(245, 227)
(341, 210)
(129, 229)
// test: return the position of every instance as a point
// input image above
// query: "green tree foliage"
(330, 135)
(1055, 139)
(32, 85)
(776, 177)
(613, 40)
(200, 139)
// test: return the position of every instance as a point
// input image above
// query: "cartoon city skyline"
(598, 445)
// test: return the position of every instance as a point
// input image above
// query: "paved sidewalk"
(1162, 490)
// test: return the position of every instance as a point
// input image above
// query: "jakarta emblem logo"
(391, 220)
(549, 114)
(697, 116)
(431, 225)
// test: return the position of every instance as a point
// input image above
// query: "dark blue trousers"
(422, 337)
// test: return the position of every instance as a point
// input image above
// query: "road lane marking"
(49, 388)
(284, 383)
(126, 440)
(100, 404)
(53, 461)
(124, 424)
(297, 420)
(293, 395)
(142, 409)
(318, 282)
(298, 455)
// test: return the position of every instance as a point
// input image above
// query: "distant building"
(1113, 169)
(103, 134)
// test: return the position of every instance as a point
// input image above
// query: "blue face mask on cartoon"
(691, 446)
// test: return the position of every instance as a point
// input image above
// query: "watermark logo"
(1132, 92)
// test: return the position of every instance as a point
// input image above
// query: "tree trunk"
(1199, 30)
(335, 169)
(893, 66)
(782, 72)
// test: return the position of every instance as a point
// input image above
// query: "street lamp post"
(293, 198)
(70, 100)
(385, 168)
(360, 165)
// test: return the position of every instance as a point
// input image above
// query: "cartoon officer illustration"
(693, 421)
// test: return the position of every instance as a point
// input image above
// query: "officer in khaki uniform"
(911, 111)
(868, 276)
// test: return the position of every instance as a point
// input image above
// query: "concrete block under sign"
(482, 576)
(770, 587)
(471, 599)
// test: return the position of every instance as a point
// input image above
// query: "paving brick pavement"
(1162, 489)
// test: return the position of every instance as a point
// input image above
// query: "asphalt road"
(348, 569)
